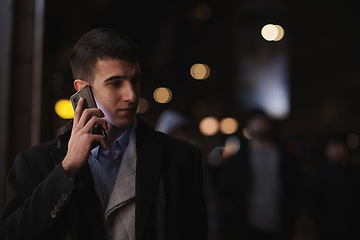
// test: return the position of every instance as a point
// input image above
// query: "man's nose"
(129, 94)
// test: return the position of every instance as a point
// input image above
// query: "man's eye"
(116, 83)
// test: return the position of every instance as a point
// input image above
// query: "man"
(260, 187)
(136, 184)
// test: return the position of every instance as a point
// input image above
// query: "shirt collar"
(120, 143)
(123, 140)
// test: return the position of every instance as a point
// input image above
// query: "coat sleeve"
(34, 204)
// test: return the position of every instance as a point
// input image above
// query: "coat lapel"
(149, 155)
(119, 215)
(124, 188)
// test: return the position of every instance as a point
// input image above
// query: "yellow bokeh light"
(280, 33)
(63, 109)
(209, 126)
(228, 125)
(162, 95)
(269, 32)
(272, 32)
(200, 71)
(144, 105)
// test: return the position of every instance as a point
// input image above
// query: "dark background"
(321, 40)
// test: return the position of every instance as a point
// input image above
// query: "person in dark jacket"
(260, 187)
(135, 184)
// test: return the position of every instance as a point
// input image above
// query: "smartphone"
(89, 102)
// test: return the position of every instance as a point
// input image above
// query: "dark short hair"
(256, 113)
(99, 44)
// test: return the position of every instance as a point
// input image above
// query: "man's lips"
(131, 109)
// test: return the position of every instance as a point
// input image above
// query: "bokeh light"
(246, 133)
(280, 33)
(353, 140)
(232, 146)
(162, 95)
(200, 71)
(203, 12)
(228, 126)
(144, 105)
(272, 32)
(209, 126)
(215, 156)
(63, 109)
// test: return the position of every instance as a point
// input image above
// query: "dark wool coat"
(42, 203)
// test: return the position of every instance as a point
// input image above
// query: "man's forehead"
(115, 62)
(111, 67)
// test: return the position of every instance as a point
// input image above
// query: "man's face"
(259, 126)
(117, 90)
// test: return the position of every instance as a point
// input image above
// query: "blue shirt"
(107, 168)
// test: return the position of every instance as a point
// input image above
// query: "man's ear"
(79, 84)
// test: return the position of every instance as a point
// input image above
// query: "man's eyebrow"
(114, 77)
(137, 76)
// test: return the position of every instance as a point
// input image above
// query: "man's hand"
(81, 139)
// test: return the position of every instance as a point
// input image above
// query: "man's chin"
(123, 123)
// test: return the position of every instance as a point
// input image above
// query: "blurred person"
(173, 123)
(334, 195)
(136, 184)
(260, 187)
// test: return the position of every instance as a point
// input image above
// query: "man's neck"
(113, 133)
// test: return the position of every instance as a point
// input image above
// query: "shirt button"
(53, 214)
(64, 196)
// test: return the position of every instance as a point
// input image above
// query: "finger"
(88, 114)
(101, 139)
(104, 124)
(90, 124)
(78, 111)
